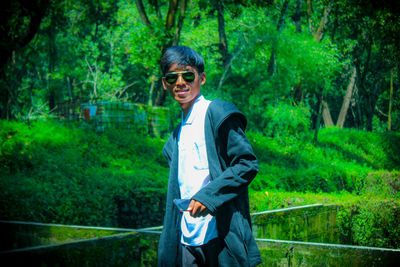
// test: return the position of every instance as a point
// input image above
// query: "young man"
(211, 164)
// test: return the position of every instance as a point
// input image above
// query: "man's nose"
(180, 79)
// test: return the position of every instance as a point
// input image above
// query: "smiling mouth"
(181, 91)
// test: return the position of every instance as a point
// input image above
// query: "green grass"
(51, 172)
(68, 173)
(340, 161)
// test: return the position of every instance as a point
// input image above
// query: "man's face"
(184, 92)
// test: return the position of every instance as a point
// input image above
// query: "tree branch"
(347, 99)
(322, 25)
(223, 42)
(180, 21)
(142, 13)
(173, 6)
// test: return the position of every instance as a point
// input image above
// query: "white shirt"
(193, 173)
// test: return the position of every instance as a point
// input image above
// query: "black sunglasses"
(188, 76)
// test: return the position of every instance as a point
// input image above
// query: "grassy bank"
(62, 173)
(66, 174)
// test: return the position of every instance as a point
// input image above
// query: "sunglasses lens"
(171, 78)
(189, 76)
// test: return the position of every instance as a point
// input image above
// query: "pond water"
(298, 236)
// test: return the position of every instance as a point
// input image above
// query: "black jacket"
(232, 165)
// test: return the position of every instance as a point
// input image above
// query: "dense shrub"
(146, 204)
(58, 173)
(341, 160)
(289, 165)
(286, 120)
(375, 150)
(371, 222)
(381, 183)
(374, 219)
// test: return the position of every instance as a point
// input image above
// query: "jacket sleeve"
(167, 152)
(169, 146)
(238, 161)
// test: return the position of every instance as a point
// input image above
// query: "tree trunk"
(298, 92)
(142, 13)
(309, 13)
(51, 61)
(365, 112)
(221, 81)
(358, 108)
(326, 115)
(223, 43)
(272, 59)
(5, 100)
(170, 22)
(335, 23)
(180, 22)
(172, 39)
(370, 104)
(14, 34)
(156, 6)
(318, 123)
(347, 99)
(319, 34)
(297, 15)
(390, 102)
(151, 92)
(369, 116)
(70, 87)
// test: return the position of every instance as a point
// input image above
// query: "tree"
(19, 22)
(297, 16)
(170, 39)
(281, 20)
(319, 34)
(223, 42)
(390, 103)
(262, 52)
(347, 99)
(367, 33)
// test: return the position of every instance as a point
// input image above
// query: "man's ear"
(163, 83)
(202, 78)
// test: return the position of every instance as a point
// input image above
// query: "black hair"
(181, 55)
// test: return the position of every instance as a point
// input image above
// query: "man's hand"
(197, 209)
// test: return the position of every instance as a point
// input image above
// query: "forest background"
(317, 79)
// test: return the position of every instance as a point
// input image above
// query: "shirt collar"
(193, 111)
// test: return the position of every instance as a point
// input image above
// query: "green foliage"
(104, 50)
(371, 222)
(283, 120)
(66, 174)
(382, 183)
(341, 160)
(377, 150)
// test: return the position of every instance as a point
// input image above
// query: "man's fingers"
(199, 209)
(191, 205)
(196, 206)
